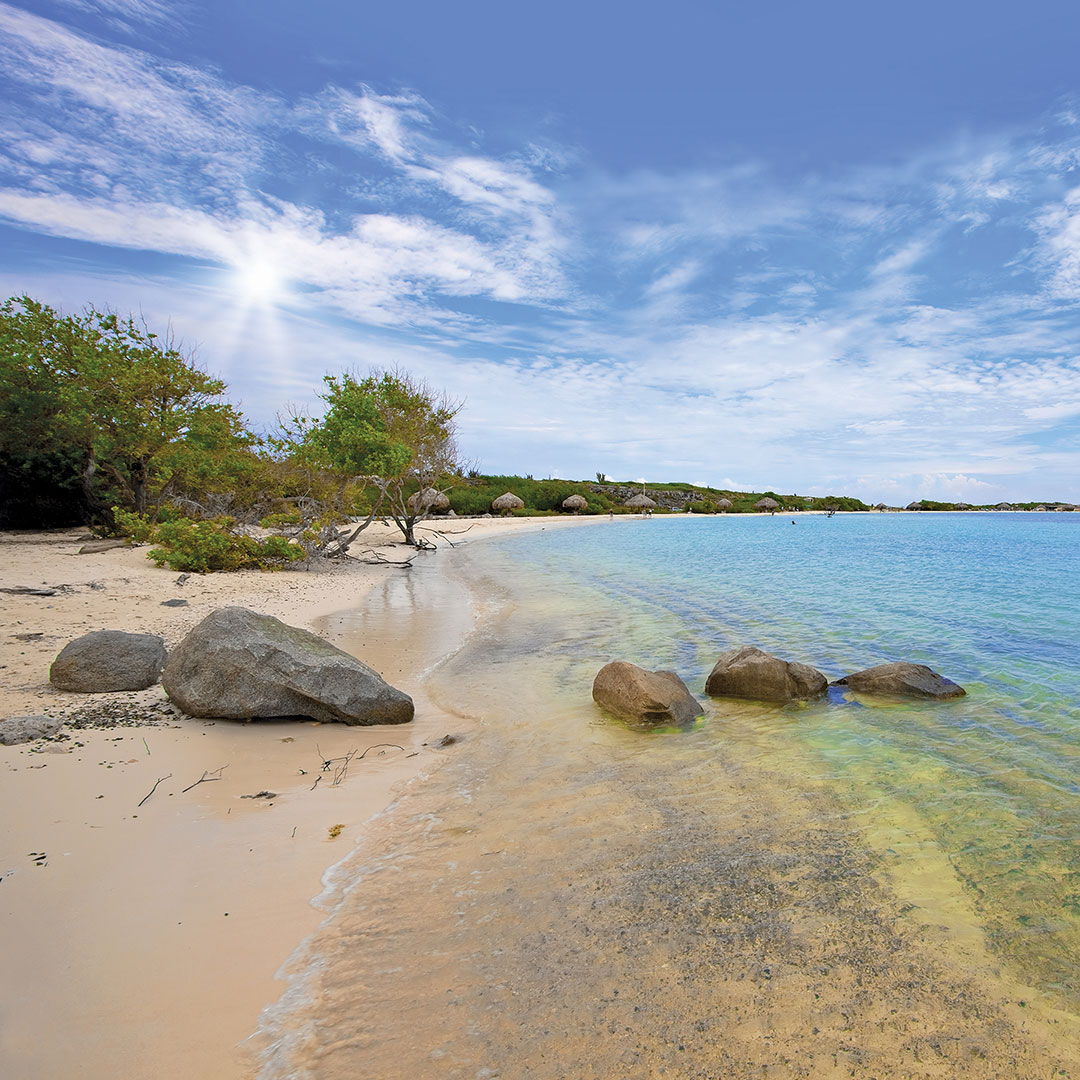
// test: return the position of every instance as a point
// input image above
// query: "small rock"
(902, 679)
(747, 672)
(20, 729)
(652, 697)
(182, 579)
(109, 660)
(174, 603)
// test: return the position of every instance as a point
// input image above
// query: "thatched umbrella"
(575, 502)
(430, 499)
(507, 502)
(640, 502)
(724, 505)
(881, 506)
(1003, 506)
(961, 506)
(767, 504)
(913, 506)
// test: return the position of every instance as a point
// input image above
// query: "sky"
(826, 248)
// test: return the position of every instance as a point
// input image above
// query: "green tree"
(107, 397)
(390, 431)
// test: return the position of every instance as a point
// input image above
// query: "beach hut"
(430, 499)
(724, 505)
(640, 502)
(507, 502)
(1003, 506)
(766, 506)
(881, 506)
(575, 503)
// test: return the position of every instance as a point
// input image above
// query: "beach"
(142, 938)
(826, 889)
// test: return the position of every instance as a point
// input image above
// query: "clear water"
(877, 888)
(989, 600)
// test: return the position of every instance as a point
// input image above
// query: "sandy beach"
(143, 940)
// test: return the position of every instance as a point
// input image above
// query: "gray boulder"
(240, 665)
(654, 697)
(902, 680)
(748, 672)
(108, 660)
(20, 729)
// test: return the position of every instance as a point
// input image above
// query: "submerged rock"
(902, 679)
(654, 697)
(108, 660)
(241, 665)
(20, 729)
(747, 672)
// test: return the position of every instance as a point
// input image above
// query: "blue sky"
(817, 248)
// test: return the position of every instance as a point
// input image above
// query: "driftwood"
(160, 779)
(206, 778)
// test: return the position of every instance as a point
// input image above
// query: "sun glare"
(259, 282)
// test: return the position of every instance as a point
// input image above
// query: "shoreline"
(145, 923)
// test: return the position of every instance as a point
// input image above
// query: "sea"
(846, 887)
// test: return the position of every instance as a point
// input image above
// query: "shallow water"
(880, 889)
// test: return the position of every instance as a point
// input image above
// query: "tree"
(391, 431)
(108, 397)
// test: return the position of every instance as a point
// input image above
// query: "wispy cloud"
(912, 324)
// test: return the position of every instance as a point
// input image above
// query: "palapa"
(507, 502)
(724, 504)
(430, 499)
(575, 502)
(766, 504)
(641, 502)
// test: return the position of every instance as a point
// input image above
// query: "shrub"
(200, 547)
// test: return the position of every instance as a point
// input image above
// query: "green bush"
(200, 547)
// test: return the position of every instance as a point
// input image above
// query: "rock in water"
(902, 680)
(748, 672)
(240, 665)
(109, 660)
(654, 697)
(20, 729)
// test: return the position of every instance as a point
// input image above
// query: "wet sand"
(146, 941)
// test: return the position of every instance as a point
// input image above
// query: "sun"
(259, 282)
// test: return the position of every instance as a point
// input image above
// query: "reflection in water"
(772, 893)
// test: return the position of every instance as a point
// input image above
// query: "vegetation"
(202, 546)
(97, 410)
(104, 422)
(387, 431)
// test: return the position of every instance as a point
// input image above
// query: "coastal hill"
(475, 493)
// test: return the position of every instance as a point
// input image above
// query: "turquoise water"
(846, 887)
(988, 600)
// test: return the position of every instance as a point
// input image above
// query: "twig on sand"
(206, 778)
(147, 745)
(160, 780)
(377, 558)
(339, 766)
(375, 746)
(446, 536)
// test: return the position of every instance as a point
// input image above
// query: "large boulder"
(902, 679)
(20, 729)
(108, 660)
(653, 697)
(748, 672)
(241, 665)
